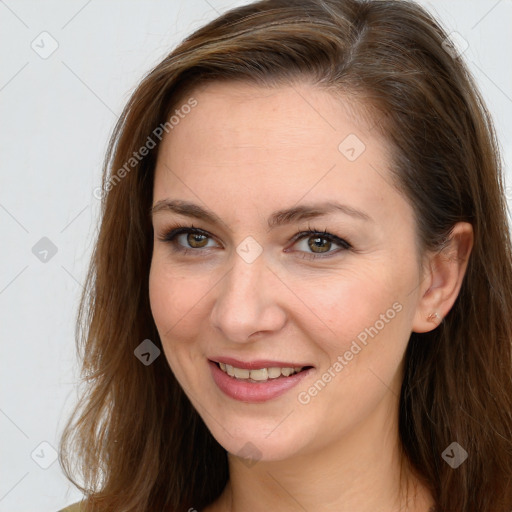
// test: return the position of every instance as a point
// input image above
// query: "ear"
(443, 277)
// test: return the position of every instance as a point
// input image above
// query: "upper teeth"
(259, 374)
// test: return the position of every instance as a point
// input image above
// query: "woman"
(300, 296)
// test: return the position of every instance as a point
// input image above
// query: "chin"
(259, 443)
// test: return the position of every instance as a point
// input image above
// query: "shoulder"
(75, 507)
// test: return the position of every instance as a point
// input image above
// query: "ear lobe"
(443, 280)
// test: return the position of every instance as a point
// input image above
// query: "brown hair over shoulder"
(134, 442)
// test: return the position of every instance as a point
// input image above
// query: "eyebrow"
(277, 218)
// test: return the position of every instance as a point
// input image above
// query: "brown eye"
(188, 239)
(197, 240)
(319, 244)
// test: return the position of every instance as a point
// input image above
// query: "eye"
(317, 244)
(187, 239)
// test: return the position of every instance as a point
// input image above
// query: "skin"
(244, 152)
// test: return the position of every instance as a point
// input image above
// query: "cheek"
(361, 317)
(162, 297)
(175, 297)
(176, 300)
(344, 304)
(363, 349)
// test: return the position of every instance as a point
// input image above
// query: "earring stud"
(434, 317)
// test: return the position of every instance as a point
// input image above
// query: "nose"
(249, 301)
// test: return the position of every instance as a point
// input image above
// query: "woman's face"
(244, 291)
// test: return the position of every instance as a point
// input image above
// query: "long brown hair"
(134, 439)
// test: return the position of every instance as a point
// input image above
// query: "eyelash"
(178, 229)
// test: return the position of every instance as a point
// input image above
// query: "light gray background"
(56, 116)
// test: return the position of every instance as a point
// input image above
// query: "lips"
(246, 389)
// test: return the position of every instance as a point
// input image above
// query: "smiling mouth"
(260, 374)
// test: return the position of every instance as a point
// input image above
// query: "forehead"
(274, 146)
(241, 116)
